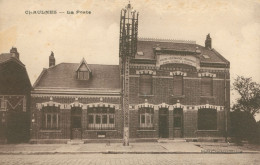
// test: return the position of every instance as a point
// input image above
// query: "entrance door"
(178, 122)
(163, 123)
(76, 128)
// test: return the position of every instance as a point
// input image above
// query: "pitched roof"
(147, 47)
(5, 57)
(64, 75)
(83, 61)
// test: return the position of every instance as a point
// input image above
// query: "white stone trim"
(178, 73)
(151, 72)
(163, 105)
(218, 108)
(101, 104)
(207, 74)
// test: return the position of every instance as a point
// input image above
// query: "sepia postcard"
(129, 82)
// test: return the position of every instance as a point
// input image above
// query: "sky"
(234, 26)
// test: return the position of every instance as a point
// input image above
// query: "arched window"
(207, 119)
(101, 118)
(50, 117)
(146, 118)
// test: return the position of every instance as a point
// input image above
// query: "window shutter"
(145, 85)
(206, 86)
(177, 85)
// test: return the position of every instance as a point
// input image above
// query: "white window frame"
(52, 122)
(102, 125)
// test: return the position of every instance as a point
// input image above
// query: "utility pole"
(127, 51)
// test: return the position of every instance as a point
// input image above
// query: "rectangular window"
(91, 119)
(146, 118)
(177, 85)
(104, 118)
(111, 119)
(51, 121)
(50, 118)
(207, 119)
(83, 75)
(206, 86)
(146, 85)
(142, 118)
(98, 119)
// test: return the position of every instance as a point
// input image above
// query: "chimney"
(14, 51)
(208, 42)
(51, 60)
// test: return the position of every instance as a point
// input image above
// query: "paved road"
(130, 159)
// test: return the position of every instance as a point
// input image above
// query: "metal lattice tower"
(127, 51)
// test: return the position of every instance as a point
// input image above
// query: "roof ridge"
(88, 64)
(166, 40)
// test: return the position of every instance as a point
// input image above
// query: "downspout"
(225, 104)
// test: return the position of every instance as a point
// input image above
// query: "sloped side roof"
(147, 47)
(13, 74)
(5, 57)
(64, 75)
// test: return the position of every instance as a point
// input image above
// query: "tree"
(249, 92)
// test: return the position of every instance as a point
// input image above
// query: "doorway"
(76, 124)
(163, 123)
(178, 122)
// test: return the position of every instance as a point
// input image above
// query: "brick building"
(177, 89)
(15, 90)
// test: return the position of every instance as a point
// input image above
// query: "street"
(130, 159)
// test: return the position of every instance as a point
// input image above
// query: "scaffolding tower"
(127, 51)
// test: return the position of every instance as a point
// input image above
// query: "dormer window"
(83, 75)
(83, 71)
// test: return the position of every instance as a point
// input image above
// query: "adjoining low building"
(77, 101)
(15, 90)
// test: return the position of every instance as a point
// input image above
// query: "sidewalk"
(118, 148)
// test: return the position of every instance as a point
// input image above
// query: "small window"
(83, 75)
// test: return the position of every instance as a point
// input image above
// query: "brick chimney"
(208, 42)
(15, 53)
(51, 60)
